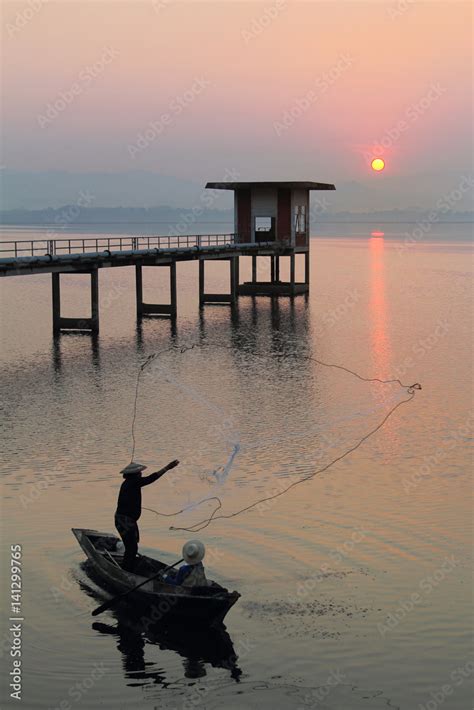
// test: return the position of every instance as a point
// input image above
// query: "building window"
(300, 219)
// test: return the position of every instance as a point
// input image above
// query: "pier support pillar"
(201, 282)
(306, 268)
(237, 275)
(254, 269)
(82, 324)
(220, 297)
(274, 286)
(56, 300)
(173, 291)
(139, 289)
(234, 279)
(292, 275)
(274, 269)
(157, 309)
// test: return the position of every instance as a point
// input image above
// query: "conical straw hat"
(132, 467)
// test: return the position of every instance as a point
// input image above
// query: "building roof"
(298, 185)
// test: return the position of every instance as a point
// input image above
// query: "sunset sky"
(296, 90)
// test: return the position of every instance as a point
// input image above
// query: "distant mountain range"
(74, 214)
(142, 197)
(30, 191)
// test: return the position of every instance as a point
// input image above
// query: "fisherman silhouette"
(129, 507)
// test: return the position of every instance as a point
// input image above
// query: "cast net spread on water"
(253, 426)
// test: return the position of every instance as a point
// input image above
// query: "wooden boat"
(163, 602)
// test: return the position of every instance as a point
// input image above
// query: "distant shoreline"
(184, 221)
(77, 225)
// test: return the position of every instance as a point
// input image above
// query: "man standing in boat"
(129, 507)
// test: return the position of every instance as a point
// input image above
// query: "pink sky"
(387, 65)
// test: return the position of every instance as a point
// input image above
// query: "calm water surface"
(356, 586)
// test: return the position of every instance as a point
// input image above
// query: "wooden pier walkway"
(89, 254)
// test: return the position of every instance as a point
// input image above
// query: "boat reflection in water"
(133, 630)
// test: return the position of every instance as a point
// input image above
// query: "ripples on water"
(321, 569)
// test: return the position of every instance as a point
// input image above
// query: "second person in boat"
(191, 574)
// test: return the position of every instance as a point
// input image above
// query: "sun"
(378, 164)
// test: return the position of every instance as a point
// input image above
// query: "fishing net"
(248, 427)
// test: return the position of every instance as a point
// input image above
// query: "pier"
(264, 229)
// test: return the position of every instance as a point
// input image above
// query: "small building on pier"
(272, 211)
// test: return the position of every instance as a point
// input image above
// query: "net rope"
(409, 389)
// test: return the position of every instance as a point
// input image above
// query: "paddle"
(111, 602)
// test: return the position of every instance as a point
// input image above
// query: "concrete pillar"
(274, 286)
(60, 323)
(220, 297)
(56, 293)
(306, 268)
(237, 271)
(234, 278)
(173, 291)
(292, 274)
(95, 301)
(139, 289)
(201, 282)
(157, 309)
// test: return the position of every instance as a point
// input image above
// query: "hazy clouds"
(295, 90)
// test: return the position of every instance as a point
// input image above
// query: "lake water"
(356, 585)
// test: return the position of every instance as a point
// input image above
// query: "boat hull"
(158, 601)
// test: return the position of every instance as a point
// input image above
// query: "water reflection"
(133, 631)
(381, 348)
(197, 648)
(243, 326)
(257, 323)
(58, 343)
(150, 318)
(380, 339)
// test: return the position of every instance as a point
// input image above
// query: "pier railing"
(83, 245)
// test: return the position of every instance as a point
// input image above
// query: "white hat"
(193, 552)
(132, 467)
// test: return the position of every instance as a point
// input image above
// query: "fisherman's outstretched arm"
(146, 480)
